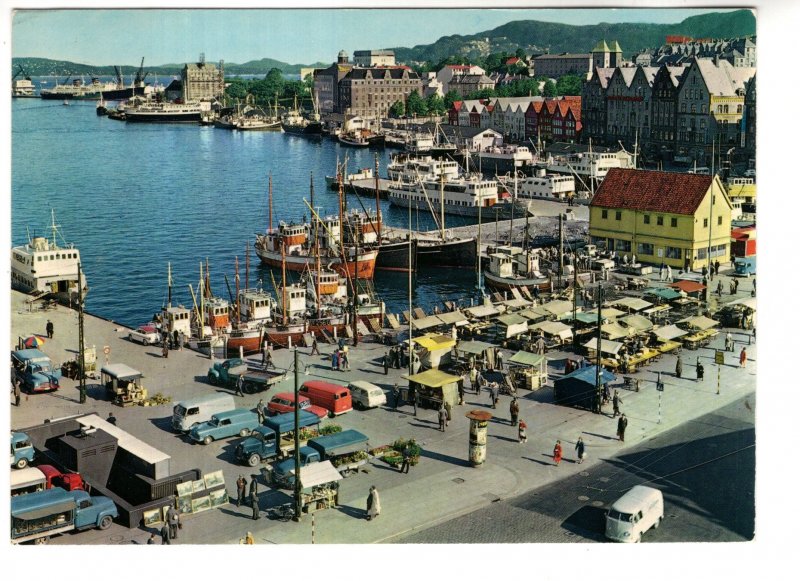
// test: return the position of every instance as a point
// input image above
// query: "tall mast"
(283, 279)
(247, 264)
(478, 249)
(378, 200)
(202, 294)
(441, 201)
(313, 218)
(598, 367)
(169, 284)
(270, 200)
(236, 306)
(560, 247)
(319, 274)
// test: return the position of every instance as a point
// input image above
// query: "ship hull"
(135, 117)
(122, 94)
(502, 283)
(301, 263)
(503, 210)
(396, 256)
(249, 340)
(95, 96)
(447, 253)
(310, 130)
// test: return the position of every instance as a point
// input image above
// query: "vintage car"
(144, 334)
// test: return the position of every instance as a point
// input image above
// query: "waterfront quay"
(441, 487)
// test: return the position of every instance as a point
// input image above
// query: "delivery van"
(192, 412)
(330, 396)
(366, 395)
(636, 512)
(27, 480)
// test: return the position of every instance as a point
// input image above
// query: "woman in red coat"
(743, 358)
(557, 452)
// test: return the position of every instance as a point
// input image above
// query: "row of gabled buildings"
(674, 113)
(519, 119)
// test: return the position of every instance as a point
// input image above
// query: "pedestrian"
(719, 289)
(735, 285)
(449, 411)
(172, 519)
(253, 486)
(151, 539)
(615, 401)
(557, 452)
(17, 392)
(661, 273)
(522, 434)
(461, 391)
(732, 288)
(404, 467)
(314, 346)
(254, 502)
(716, 266)
(743, 357)
(165, 535)
(264, 352)
(678, 367)
(580, 450)
(49, 329)
(514, 410)
(606, 393)
(396, 395)
(669, 273)
(495, 391)
(473, 380)
(500, 360)
(261, 410)
(540, 345)
(386, 363)
(165, 349)
(239, 384)
(373, 503)
(249, 539)
(728, 341)
(621, 425)
(175, 339)
(700, 370)
(181, 340)
(241, 490)
(269, 362)
(442, 417)
(111, 419)
(704, 271)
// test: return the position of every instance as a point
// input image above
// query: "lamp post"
(81, 341)
(298, 500)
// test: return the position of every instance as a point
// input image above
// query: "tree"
(236, 89)
(416, 105)
(482, 94)
(450, 98)
(520, 54)
(569, 85)
(435, 104)
(549, 89)
(398, 109)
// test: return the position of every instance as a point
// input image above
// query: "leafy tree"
(520, 53)
(398, 109)
(237, 89)
(450, 98)
(569, 85)
(435, 104)
(482, 94)
(416, 105)
(549, 89)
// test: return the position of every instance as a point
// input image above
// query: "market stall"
(320, 486)
(528, 370)
(555, 333)
(701, 331)
(433, 349)
(433, 387)
(511, 325)
(482, 354)
(578, 389)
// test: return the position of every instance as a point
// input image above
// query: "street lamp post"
(298, 500)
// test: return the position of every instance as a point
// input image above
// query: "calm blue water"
(133, 197)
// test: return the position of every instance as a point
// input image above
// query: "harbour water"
(133, 197)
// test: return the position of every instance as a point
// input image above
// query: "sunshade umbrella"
(34, 341)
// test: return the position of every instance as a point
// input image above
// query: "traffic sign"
(719, 357)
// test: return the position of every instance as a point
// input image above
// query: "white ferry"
(542, 186)
(167, 112)
(44, 269)
(410, 168)
(589, 165)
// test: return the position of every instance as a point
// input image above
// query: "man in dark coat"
(621, 425)
(172, 519)
(17, 392)
(678, 367)
(49, 328)
(386, 363)
(442, 417)
(165, 535)
(241, 490)
(514, 409)
(254, 502)
(404, 467)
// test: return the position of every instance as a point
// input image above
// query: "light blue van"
(22, 451)
(225, 425)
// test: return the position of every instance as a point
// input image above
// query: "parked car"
(144, 334)
(366, 395)
(283, 402)
(224, 425)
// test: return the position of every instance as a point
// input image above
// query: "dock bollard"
(478, 427)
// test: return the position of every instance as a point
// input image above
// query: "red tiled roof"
(688, 286)
(457, 105)
(656, 191)
(513, 60)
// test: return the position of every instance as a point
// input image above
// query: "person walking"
(448, 409)
(615, 401)
(404, 467)
(396, 395)
(442, 417)
(165, 534)
(111, 419)
(461, 391)
(165, 349)
(728, 341)
(172, 519)
(181, 340)
(17, 392)
(373, 503)
(314, 346)
(261, 410)
(264, 352)
(743, 357)
(254, 502)
(732, 288)
(269, 362)
(522, 432)
(700, 370)
(49, 329)
(621, 425)
(386, 363)
(175, 339)
(678, 367)
(719, 288)
(239, 384)
(513, 408)
(580, 449)
(495, 394)
(334, 360)
(500, 360)
(241, 490)
(557, 452)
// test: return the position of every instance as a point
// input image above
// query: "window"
(660, 221)
(644, 248)
(623, 245)
(604, 214)
(647, 218)
(673, 252)
(702, 253)
(618, 216)
(705, 222)
(719, 220)
(673, 222)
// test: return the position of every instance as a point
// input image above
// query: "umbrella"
(34, 341)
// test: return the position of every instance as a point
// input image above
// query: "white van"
(366, 395)
(27, 480)
(636, 512)
(189, 413)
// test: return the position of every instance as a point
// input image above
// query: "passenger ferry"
(44, 269)
(166, 112)
(542, 186)
(588, 165)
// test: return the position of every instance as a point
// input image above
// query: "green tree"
(549, 89)
(569, 85)
(236, 89)
(450, 98)
(482, 94)
(435, 104)
(520, 53)
(416, 105)
(398, 109)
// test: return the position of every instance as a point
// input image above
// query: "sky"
(123, 37)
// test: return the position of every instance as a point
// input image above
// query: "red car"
(283, 402)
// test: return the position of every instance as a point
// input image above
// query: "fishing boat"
(45, 269)
(296, 122)
(101, 109)
(514, 267)
(362, 174)
(353, 139)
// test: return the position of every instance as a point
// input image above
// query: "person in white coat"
(373, 503)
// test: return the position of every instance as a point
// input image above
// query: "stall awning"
(456, 318)
(426, 322)
(432, 378)
(318, 473)
(534, 314)
(699, 322)
(555, 328)
(667, 294)
(615, 331)
(587, 318)
(516, 303)
(435, 342)
(688, 286)
(606, 346)
(637, 322)
(749, 302)
(481, 311)
(669, 332)
(588, 375)
(558, 308)
(526, 358)
(608, 312)
(474, 347)
(511, 319)
(632, 304)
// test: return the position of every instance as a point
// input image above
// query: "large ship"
(22, 87)
(44, 269)
(77, 90)
(120, 92)
(149, 111)
(294, 121)
(541, 185)
(498, 159)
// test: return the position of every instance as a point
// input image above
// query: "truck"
(226, 373)
(123, 384)
(41, 515)
(334, 447)
(273, 438)
(22, 451)
(35, 370)
(57, 479)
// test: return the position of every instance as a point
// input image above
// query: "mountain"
(537, 37)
